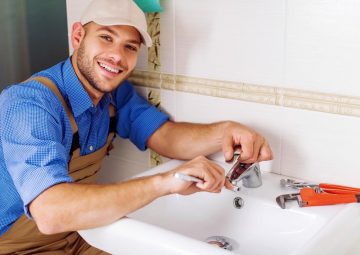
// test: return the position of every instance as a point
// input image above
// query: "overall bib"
(23, 237)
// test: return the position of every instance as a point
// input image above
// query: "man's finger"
(258, 143)
(228, 185)
(247, 150)
(265, 152)
(228, 147)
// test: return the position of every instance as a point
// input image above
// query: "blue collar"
(78, 98)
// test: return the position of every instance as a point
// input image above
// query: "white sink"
(180, 224)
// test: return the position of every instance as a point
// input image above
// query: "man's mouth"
(110, 69)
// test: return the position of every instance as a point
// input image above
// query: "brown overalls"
(23, 237)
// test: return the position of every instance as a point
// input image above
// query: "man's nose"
(117, 54)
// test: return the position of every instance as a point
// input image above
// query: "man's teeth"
(110, 69)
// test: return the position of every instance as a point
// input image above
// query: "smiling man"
(110, 59)
(56, 128)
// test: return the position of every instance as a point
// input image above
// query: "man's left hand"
(252, 146)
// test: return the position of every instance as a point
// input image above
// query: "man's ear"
(77, 35)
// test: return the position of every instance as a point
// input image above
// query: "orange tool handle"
(310, 198)
(338, 189)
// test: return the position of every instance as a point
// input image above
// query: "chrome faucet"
(249, 174)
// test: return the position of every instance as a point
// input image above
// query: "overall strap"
(75, 145)
(51, 85)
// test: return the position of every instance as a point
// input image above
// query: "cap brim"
(146, 39)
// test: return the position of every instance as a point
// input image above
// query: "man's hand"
(200, 167)
(253, 147)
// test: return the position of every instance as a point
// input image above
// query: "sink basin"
(178, 224)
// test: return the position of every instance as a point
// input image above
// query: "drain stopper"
(238, 202)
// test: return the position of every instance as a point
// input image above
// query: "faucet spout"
(249, 174)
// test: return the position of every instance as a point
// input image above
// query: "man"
(56, 127)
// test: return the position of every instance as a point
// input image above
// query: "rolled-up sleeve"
(137, 119)
(33, 152)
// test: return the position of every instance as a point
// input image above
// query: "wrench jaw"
(297, 185)
(282, 199)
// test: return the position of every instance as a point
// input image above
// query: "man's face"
(107, 55)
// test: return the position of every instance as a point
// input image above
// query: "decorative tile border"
(153, 21)
(314, 101)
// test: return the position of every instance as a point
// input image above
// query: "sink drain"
(220, 241)
(238, 202)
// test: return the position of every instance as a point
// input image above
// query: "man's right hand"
(211, 173)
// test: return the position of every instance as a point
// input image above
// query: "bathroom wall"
(287, 68)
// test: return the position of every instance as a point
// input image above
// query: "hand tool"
(318, 194)
(188, 178)
(309, 197)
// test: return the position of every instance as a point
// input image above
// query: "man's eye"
(106, 37)
(132, 48)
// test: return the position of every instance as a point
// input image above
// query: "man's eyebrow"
(113, 32)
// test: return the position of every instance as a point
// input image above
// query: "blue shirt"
(36, 135)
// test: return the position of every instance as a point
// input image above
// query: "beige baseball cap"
(117, 12)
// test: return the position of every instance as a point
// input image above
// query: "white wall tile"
(168, 103)
(125, 149)
(124, 161)
(321, 147)
(323, 46)
(167, 36)
(115, 170)
(234, 40)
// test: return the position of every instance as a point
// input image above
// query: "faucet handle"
(232, 174)
(249, 173)
(237, 169)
